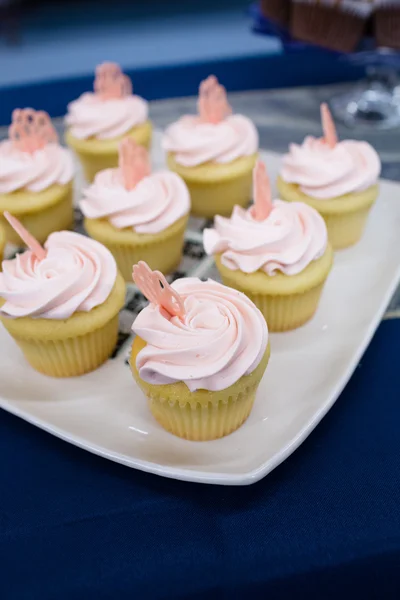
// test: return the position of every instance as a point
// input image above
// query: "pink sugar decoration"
(110, 82)
(212, 105)
(31, 130)
(133, 163)
(25, 236)
(328, 126)
(157, 290)
(261, 192)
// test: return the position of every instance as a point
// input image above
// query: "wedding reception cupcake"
(333, 24)
(97, 121)
(277, 253)
(138, 215)
(339, 179)
(60, 302)
(199, 355)
(214, 152)
(35, 176)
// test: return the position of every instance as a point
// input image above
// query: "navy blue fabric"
(323, 525)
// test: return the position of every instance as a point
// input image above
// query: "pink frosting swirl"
(193, 142)
(323, 172)
(154, 204)
(91, 116)
(222, 337)
(288, 240)
(35, 172)
(77, 274)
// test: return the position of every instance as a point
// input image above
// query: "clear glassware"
(375, 101)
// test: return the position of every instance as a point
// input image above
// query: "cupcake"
(333, 24)
(138, 215)
(35, 176)
(339, 179)
(278, 11)
(214, 152)
(387, 23)
(199, 355)
(60, 303)
(98, 120)
(277, 253)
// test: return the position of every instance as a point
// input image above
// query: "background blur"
(48, 50)
(42, 39)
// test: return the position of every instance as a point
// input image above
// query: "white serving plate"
(105, 413)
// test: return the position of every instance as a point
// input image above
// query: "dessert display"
(337, 178)
(35, 176)
(98, 120)
(199, 350)
(214, 152)
(138, 215)
(275, 252)
(199, 354)
(60, 302)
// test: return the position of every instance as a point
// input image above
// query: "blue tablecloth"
(325, 524)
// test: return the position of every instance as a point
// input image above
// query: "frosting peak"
(194, 142)
(92, 116)
(288, 240)
(111, 110)
(221, 337)
(154, 204)
(76, 274)
(214, 134)
(35, 171)
(326, 172)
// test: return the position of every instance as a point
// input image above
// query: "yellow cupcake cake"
(277, 253)
(199, 355)
(60, 303)
(214, 152)
(97, 121)
(339, 179)
(138, 215)
(35, 177)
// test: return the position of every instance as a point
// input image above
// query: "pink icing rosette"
(90, 116)
(288, 240)
(326, 168)
(153, 204)
(218, 336)
(110, 111)
(75, 274)
(323, 172)
(35, 172)
(193, 142)
(31, 158)
(214, 134)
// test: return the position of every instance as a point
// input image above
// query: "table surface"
(323, 524)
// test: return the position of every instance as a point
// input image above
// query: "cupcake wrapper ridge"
(203, 422)
(201, 415)
(72, 356)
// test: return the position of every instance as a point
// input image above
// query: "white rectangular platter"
(105, 413)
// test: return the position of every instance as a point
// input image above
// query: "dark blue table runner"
(325, 524)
